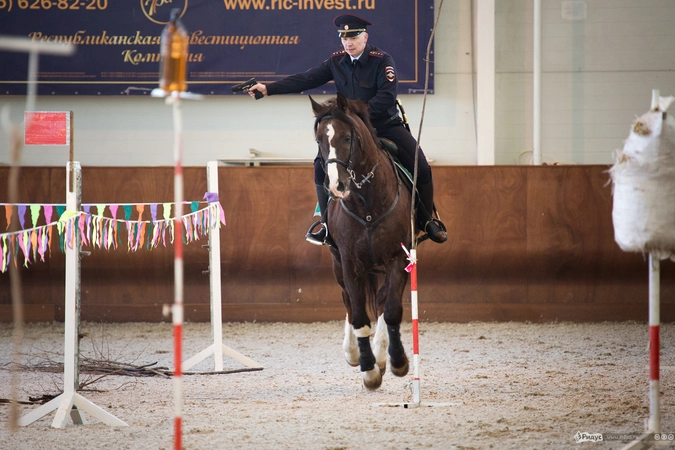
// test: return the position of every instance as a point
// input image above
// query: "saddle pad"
(406, 176)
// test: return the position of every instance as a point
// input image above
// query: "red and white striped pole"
(654, 422)
(412, 269)
(417, 396)
(654, 323)
(177, 309)
(654, 343)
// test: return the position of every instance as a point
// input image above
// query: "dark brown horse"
(368, 220)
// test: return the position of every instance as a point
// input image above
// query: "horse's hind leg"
(380, 343)
(349, 345)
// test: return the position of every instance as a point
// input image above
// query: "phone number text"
(63, 5)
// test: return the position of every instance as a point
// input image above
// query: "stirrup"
(440, 228)
(318, 237)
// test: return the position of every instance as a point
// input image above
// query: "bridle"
(347, 165)
(367, 222)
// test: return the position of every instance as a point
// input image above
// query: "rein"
(368, 221)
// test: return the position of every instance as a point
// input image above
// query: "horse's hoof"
(383, 366)
(400, 371)
(372, 379)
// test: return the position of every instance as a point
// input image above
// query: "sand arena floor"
(511, 385)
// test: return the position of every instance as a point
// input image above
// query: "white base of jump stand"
(217, 349)
(418, 405)
(71, 404)
(216, 352)
(642, 443)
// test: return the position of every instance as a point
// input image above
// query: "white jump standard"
(70, 403)
(217, 348)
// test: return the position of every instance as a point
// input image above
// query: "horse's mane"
(357, 107)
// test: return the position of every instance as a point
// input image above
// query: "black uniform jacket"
(372, 80)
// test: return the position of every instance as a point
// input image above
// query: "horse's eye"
(348, 138)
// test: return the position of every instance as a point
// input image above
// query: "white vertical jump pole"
(654, 423)
(536, 85)
(70, 403)
(217, 348)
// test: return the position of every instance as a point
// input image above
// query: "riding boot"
(432, 226)
(319, 237)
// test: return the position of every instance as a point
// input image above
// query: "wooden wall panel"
(525, 243)
(486, 219)
(255, 240)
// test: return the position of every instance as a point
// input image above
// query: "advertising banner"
(230, 41)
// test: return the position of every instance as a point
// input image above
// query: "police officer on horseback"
(362, 71)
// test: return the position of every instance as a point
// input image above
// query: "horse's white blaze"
(381, 343)
(349, 345)
(332, 168)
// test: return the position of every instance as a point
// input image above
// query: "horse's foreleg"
(358, 352)
(380, 343)
(399, 360)
(372, 377)
(360, 322)
(349, 345)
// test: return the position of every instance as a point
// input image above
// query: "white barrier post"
(217, 348)
(70, 402)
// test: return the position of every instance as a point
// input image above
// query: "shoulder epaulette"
(376, 54)
(340, 53)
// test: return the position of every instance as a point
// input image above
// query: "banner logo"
(159, 11)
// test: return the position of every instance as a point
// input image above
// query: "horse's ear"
(316, 107)
(342, 101)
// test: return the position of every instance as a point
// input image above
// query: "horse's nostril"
(341, 186)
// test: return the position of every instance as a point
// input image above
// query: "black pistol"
(245, 86)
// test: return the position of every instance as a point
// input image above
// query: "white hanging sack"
(644, 185)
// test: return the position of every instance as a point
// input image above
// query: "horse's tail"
(371, 294)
